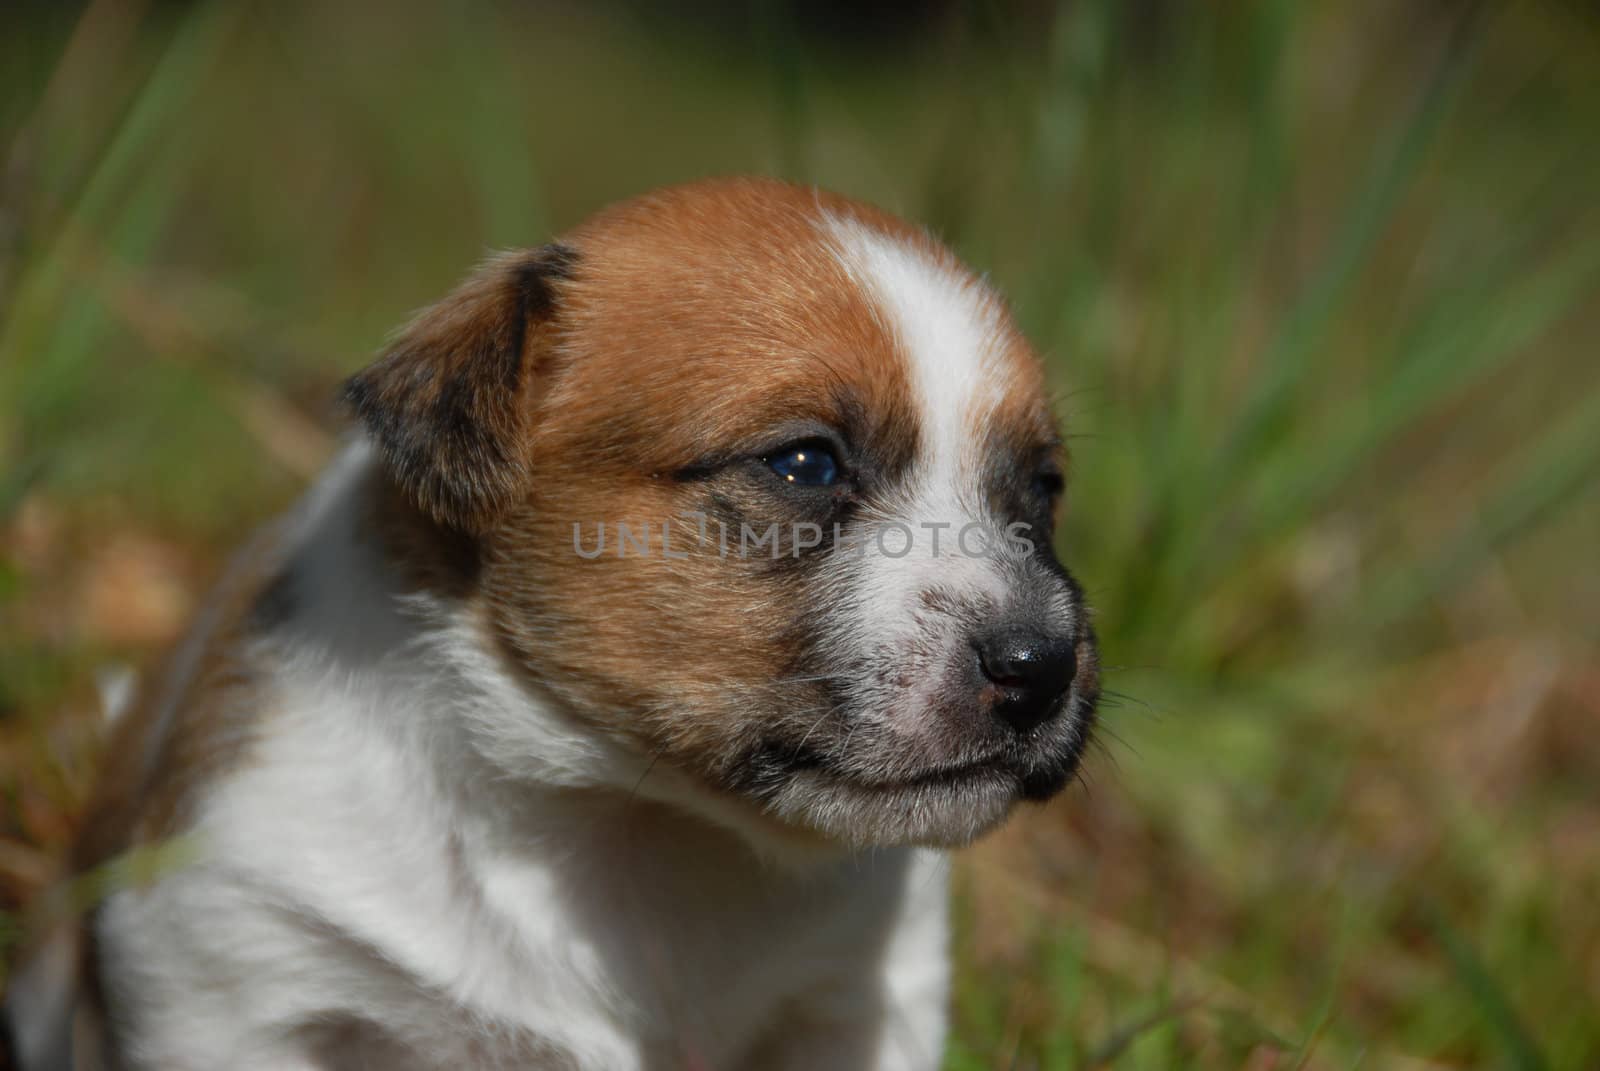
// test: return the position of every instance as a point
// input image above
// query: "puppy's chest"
(662, 915)
(622, 959)
(623, 935)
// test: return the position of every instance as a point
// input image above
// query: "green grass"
(1317, 284)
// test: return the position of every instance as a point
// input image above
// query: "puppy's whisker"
(809, 680)
(633, 794)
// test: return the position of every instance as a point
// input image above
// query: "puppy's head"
(762, 484)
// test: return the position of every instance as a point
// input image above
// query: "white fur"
(386, 853)
(942, 323)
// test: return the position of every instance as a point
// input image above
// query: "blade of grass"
(1476, 977)
(1196, 509)
(47, 338)
(1284, 365)
(1544, 476)
(1469, 335)
(1112, 1048)
(498, 143)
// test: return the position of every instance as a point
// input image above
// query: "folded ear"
(447, 402)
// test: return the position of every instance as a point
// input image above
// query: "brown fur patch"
(1022, 420)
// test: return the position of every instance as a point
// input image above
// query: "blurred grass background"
(1320, 288)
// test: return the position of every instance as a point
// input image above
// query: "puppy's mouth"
(945, 804)
(1029, 780)
(1030, 773)
(949, 774)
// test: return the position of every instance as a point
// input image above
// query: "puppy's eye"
(807, 464)
(1048, 485)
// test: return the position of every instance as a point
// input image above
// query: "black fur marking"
(277, 602)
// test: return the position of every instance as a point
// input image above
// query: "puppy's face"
(765, 491)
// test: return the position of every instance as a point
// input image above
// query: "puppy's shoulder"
(192, 719)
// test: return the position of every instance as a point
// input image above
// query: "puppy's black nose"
(1032, 669)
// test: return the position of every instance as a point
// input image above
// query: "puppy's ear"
(447, 402)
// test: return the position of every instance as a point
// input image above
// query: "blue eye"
(805, 465)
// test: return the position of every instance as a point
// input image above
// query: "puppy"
(688, 585)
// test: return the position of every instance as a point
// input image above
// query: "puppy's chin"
(944, 813)
(944, 808)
